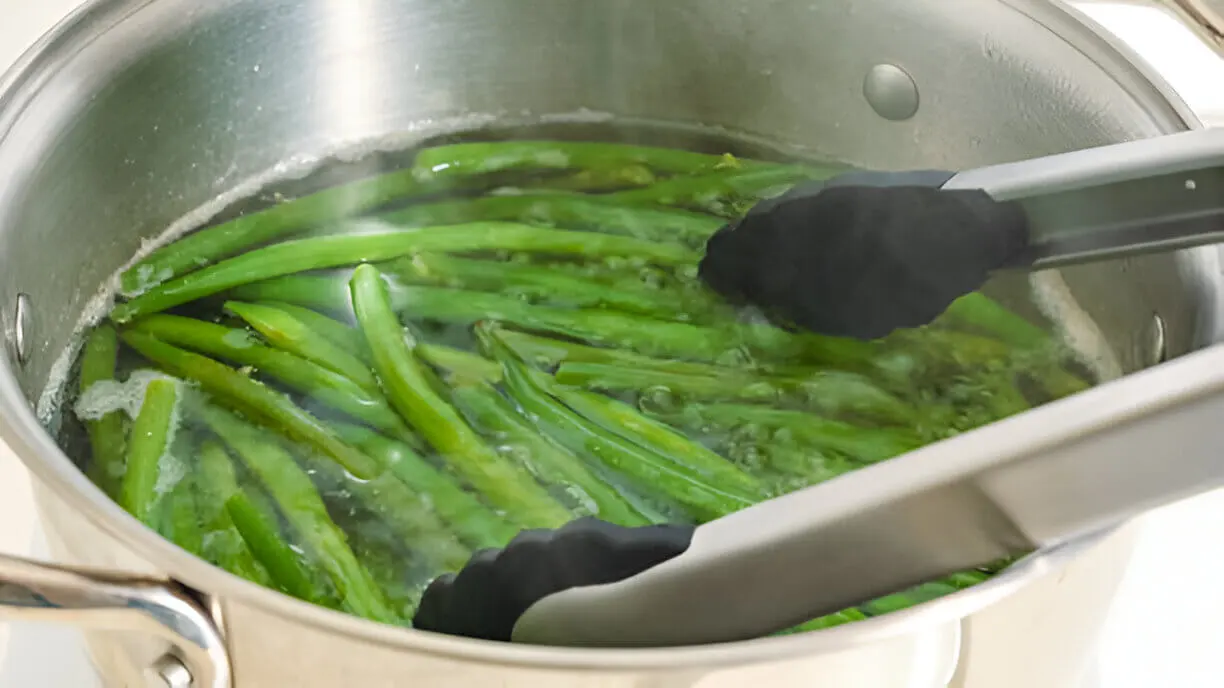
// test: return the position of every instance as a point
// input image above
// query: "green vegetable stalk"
(589, 213)
(547, 461)
(304, 510)
(506, 488)
(350, 248)
(476, 524)
(152, 434)
(252, 398)
(646, 468)
(285, 331)
(209, 245)
(107, 435)
(483, 158)
(223, 544)
(330, 388)
(725, 193)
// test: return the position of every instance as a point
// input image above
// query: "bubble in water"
(660, 400)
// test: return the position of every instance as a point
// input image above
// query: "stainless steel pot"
(134, 113)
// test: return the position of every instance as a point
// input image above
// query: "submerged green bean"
(285, 331)
(980, 312)
(223, 543)
(831, 392)
(206, 246)
(863, 444)
(107, 435)
(645, 467)
(474, 522)
(338, 333)
(483, 158)
(537, 283)
(252, 398)
(726, 193)
(304, 510)
(550, 463)
(522, 500)
(346, 249)
(152, 434)
(568, 211)
(406, 511)
(332, 389)
(180, 520)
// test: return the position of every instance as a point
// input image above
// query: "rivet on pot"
(891, 92)
(1155, 345)
(171, 672)
(19, 329)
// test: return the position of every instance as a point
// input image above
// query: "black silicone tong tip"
(497, 586)
(864, 254)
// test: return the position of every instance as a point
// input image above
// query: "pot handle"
(48, 593)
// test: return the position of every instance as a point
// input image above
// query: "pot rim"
(21, 430)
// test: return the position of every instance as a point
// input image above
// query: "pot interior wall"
(153, 117)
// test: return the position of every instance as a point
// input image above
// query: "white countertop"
(1166, 629)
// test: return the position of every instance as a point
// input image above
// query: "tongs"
(1037, 480)
(865, 253)
(860, 256)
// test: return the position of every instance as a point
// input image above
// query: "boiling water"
(940, 367)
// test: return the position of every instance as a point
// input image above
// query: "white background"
(1167, 628)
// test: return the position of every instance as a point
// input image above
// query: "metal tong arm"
(1114, 201)
(1038, 479)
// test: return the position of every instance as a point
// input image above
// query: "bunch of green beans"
(345, 395)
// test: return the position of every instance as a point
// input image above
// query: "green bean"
(831, 392)
(460, 364)
(332, 389)
(828, 621)
(725, 193)
(547, 461)
(522, 500)
(484, 158)
(252, 398)
(809, 465)
(979, 312)
(291, 569)
(107, 435)
(207, 246)
(180, 519)
(475, 523)
(223, 543)
(285, 331)
(539, 284)
(648, 469)
(338, 333)
(152, 434)
(909, 598)
(863, 444)
(407, 512)
(687, 455)
(571, 212)
(304, 509)
(346, 249)
(326, 293)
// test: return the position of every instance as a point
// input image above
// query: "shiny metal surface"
(97, 600)
(137, 112)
